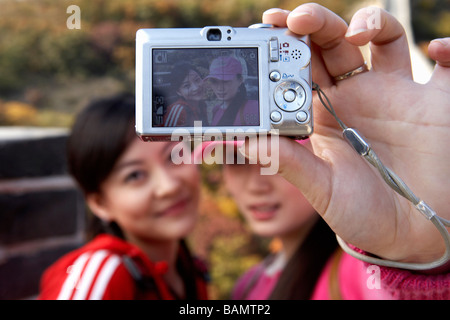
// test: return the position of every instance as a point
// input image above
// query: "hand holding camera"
(406, 123)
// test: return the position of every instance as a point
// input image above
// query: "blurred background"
(48, 72)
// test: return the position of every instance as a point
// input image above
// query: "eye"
(135, 175)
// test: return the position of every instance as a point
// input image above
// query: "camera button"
(275, 116)
(275, 76)
(302, 117)
(273, 51)
(290, 95)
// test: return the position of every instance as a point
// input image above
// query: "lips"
(176, 208)
(196, 93)
(264, 211)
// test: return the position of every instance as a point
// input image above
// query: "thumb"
(439, 51)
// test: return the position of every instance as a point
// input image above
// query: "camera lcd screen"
(217, 86)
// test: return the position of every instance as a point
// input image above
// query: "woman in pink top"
(273, 207)
(309, 265)
(394, 113)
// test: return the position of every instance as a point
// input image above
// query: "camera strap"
(362, 147)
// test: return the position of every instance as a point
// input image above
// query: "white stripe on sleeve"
(173, 115)
(73, 277)
(103, 278)
(170, 115)
(175, 122)
(88, 275)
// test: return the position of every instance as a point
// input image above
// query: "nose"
(166, 183)
(195, 86)
(255, 182)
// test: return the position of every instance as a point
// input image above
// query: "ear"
(96, 203)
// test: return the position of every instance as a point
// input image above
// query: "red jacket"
(109, 268)
(181, 114)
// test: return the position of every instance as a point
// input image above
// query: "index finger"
(389, 49)
(327, 30)
(278, 18)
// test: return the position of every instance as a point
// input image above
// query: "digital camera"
(222, 81)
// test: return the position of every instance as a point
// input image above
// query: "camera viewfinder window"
(216, 86)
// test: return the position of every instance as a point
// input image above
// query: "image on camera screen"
(217, 86)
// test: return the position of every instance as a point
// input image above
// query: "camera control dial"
(290, 96)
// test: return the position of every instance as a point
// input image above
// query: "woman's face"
(225, 89)
(192, 88)
(149, 196)
(270, 204)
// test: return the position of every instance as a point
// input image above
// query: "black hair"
(299, 277)
(179, 73)
(100, 134)
(301, 273)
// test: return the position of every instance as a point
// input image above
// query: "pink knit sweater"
(357, 280)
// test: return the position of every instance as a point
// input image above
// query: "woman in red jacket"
(189, 106)
(146, 206)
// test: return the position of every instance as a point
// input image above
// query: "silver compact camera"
(222, 82)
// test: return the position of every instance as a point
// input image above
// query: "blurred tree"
(34, 39)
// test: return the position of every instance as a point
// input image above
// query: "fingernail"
(274, 10)
(444, 42)
(301, 12)
(356, 27)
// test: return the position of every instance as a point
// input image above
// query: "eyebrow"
(123, 165)
(139, 162)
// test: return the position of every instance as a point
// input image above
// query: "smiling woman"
(147, 204)
(189, 104)
(274, 208)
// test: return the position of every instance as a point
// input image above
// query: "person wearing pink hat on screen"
(226, 80)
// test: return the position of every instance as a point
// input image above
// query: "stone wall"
(41, 210)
